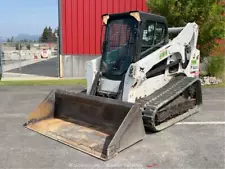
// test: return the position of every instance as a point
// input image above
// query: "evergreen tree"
(44, 36)
(28, 46)
(18, 46)
(55, 35)
(12, 39)
(50, 34)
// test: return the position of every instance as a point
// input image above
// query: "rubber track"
(152, 103)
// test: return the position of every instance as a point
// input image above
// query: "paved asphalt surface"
(45, 68)
(188, 146)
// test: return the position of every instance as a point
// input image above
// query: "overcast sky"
(27, 16)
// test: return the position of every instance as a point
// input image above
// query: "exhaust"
(98, 126)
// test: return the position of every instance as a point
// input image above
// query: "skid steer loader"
(142, 81)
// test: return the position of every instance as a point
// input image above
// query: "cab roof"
(144, 16)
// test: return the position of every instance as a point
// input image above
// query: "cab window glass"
(153, 33)
(148, 34)
(159, 32)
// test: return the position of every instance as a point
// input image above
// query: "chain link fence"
(25, 58)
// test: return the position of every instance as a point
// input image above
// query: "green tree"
(18, 46)
(208, 14)
(45, 35)
(12, 39)
(28, 46)
(50, 34)
(55, 34)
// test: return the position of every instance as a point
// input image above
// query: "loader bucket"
(97, 126)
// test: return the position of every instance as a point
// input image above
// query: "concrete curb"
(23, 63)
(28, 78)
(20, 77)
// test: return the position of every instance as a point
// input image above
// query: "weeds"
(216, 66)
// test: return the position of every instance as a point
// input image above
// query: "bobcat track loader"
(143, 80)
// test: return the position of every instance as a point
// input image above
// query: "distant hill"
(2, 39)
(27, 37)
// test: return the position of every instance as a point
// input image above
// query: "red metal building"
(80, 23)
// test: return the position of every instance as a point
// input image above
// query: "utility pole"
(20, 58)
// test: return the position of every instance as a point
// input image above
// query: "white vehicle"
(142, 80)
(45, 53)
